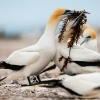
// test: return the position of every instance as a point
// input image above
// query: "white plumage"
(83, 84)
(22, 57)
(83, 60)
(31, 60)
(88, 39)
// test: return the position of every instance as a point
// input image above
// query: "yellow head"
(58, 14)
(88, 34)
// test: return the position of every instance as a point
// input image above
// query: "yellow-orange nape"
(89, 32)
(56, 14)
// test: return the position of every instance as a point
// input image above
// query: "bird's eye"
(88, 37)
(67, 12)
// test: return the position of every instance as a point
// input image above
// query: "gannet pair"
(33, 59)
(82, 84)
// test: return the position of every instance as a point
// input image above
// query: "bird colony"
(73, 50)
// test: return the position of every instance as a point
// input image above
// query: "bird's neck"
(50, 31)
(52, 24)
(51, 27)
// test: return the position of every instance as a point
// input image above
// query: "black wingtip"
(1, 66)
(69, 90)
(97, 88)
(6, 65)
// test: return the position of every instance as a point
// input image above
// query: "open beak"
(85, 40)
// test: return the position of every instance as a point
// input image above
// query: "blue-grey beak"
(85, 40)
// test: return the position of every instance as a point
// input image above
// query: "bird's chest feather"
(49, 51)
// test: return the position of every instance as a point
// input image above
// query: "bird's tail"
(96, 90)
(1, 66)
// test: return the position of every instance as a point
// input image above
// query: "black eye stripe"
(67, 11)
(88, 37)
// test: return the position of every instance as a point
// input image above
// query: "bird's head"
(88, 34)
(59, 14)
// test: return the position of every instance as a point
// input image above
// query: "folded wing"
(82, 56)
(22, 58)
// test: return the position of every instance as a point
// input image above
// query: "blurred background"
(22, 22)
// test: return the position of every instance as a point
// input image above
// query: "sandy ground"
(14, 91)
(10, 91)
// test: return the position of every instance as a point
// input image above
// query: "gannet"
(89, 40)
(80, 85)
(33, 59)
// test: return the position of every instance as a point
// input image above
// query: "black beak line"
(85, 40)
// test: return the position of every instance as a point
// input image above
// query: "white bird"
(31, 60)
(81, 85)
(82, 60)
(88, 39)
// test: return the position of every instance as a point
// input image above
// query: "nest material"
(77, 30)
(63, 29)
(75, 34)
